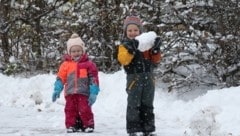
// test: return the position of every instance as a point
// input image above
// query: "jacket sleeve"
(155, 58)
(62, 73)
(124, 57)
(93, 73)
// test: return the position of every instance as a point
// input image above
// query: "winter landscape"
(27, 110)
(200, 48)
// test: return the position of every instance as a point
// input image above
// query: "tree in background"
(200, 37)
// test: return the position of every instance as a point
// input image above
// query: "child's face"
(76, 51)
(132, 31)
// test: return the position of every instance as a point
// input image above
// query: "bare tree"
(200, 37)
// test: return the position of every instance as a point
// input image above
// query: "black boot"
(71, 130)
(78, 124)
(149, 134)
(133, 134)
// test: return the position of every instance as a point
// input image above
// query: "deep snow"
(27, 110)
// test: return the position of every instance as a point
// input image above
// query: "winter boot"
(89, 130)
(132, 134)
(78, 124)
(149, 134)
(71, 130)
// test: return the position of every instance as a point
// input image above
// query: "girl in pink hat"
(78, 77)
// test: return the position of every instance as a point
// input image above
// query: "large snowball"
(146, 40)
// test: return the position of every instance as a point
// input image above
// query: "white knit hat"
(75, 40)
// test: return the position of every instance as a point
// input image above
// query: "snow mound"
(203, 123)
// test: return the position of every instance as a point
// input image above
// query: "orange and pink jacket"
(77, 76)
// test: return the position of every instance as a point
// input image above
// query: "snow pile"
(203, 123)
(215, 113)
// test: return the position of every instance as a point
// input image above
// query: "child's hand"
(92, 98)
(131, 45)
(55, 96)
(94, 89)
(157, 44)
(58, 87)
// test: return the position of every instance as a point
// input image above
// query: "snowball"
(146, 40)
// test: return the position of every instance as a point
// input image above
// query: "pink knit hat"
(75, 40)
(132, 20)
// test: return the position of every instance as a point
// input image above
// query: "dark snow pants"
(77, 107)
(140, 90)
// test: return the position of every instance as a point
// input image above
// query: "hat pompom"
(74, 35)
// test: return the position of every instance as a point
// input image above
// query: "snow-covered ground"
(26, 110)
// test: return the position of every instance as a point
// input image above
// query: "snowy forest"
(200, 38)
